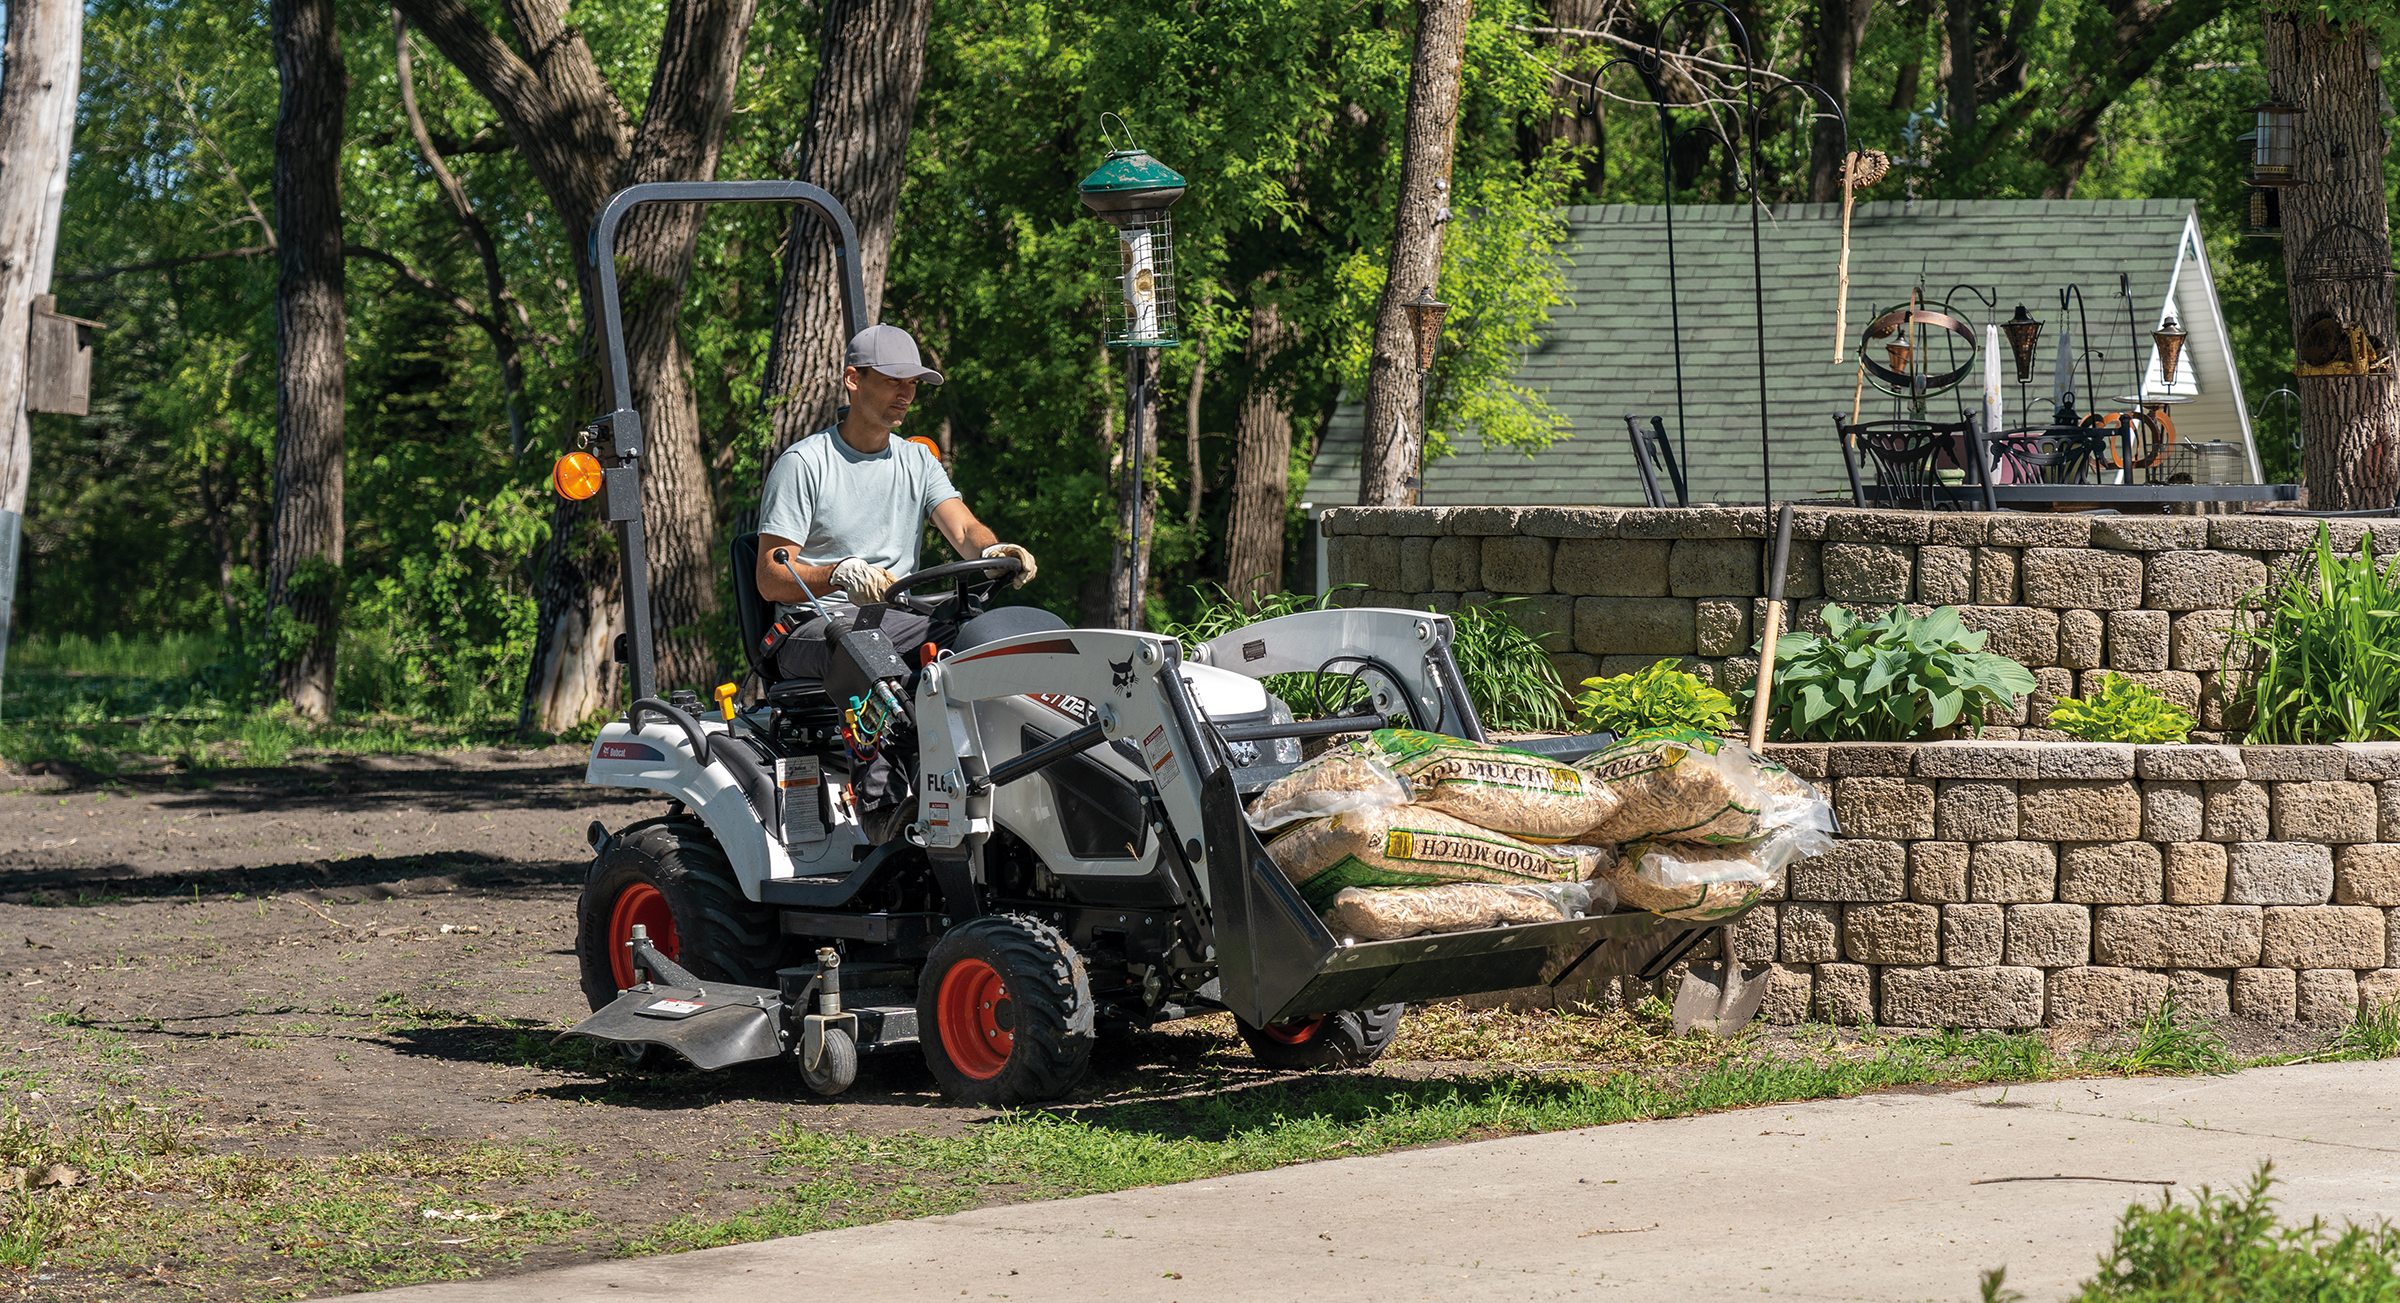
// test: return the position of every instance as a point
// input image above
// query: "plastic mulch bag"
(1530, 797)
(1347, 779)
(1412, 846)
(1461, 907)
(1792, 801)
(1689, 881)
(1680, 785)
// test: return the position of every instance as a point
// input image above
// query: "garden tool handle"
(1774, 621)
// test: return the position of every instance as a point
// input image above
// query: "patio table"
(2107, 495)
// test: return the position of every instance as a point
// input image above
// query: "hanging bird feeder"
(1132, 192)
(2169, 339)
(2275, 146)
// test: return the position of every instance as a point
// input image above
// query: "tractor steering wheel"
(994, 568)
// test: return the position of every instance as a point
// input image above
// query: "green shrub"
(2225, 1248)
(1660, 696)
(2327, 643)
(1896, 679)
(2123, 711)
(1509, 677)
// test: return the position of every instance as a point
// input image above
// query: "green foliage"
(2226, 1248)
(1660, 696)
(1509, 676)
(2171, 1040)
(2124, 711)
(1894, 679)
(2373, 1035)
(2327, 643)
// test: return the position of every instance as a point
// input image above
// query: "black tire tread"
(1046, 980)
(1351, 1039)
(735, 940)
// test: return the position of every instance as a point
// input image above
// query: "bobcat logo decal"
(1120, 675)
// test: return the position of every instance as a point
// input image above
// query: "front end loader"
(1071, 852)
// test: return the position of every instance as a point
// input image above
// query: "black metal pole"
(1136, 379)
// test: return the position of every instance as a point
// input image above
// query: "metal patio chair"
(1651, 450)
(1909, 459)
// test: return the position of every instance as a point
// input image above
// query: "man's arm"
(775, 583)
(968, 536)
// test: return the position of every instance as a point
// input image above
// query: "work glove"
(1024, 576)
(863, 582)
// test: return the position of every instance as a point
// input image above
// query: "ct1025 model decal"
(1074, 708)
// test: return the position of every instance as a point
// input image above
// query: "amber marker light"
(576, 476)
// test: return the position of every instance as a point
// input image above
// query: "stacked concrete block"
(2015, 880)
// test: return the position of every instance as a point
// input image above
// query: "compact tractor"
(1078, 857)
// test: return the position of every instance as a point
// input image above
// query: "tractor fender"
(658, 757)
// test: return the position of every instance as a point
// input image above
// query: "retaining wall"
(1610, 590)
(2000, 884)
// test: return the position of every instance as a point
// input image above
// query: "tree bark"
(1841, 25)
(2337, 250)
(41, 63)
(1912, 64)
(1262, 465)
(304, 559)
(1578, 58)
(1395, 439)
(2142, 31)
(870, 65)
(1961, 18)
(573, 133)
(1137, 500)
(1191, 431)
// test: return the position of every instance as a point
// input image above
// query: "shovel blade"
(1720, 997)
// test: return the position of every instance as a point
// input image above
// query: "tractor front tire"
(1336, 1040)
(1004, 1012)
(670, 876)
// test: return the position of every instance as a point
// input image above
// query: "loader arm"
(1406, 656)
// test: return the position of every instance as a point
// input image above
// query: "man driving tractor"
(849, 504)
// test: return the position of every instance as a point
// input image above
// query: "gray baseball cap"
(890, 350)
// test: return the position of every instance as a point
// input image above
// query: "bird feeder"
(2266, 215)
(1132, 192)
(2169, 339)
(2275, 146)
(1425, 314)
(2023, 332)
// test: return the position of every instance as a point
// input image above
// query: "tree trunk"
(1262, 465)
(1961, 17)
(2337, 251)
(1395, 440)
(1577, 58)
(1912, 63)
(1192, 393)
(870, 64)
(1841, 25)
(572, 132)
(1137, 498)
(40, 65)
(304, 561)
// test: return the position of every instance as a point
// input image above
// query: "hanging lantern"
(1132, 191)
(1425, 314)
(2022, 331)
(2169, 339)
(2275, 146)
(1901, 355)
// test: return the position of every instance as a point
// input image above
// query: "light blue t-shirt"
(837, 502)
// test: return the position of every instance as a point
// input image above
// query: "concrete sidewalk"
(1871, 1198)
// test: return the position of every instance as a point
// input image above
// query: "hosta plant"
(1900, 678)
(2122, 711)
(1660, 696)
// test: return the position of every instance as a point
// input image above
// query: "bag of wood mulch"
(1460, 907)
(1690, 881)
(1530, 797)
(1679, 785)
(1349, 778)
(1413, 846)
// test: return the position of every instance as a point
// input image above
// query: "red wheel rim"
(976, 1018)
(1294, 1031)
(640, 903)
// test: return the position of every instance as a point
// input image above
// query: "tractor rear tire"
(1336, 1040)
(1004, 1012)
(671, 876)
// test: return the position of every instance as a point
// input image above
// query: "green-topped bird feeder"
(1132, 192)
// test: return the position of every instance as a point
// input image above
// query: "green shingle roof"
(1609, 353)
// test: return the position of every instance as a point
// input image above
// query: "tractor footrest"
(885, 1026)
(714, 1027)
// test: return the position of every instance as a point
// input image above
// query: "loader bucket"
(1276, 960)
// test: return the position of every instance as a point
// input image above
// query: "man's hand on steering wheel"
(994, 569)
(1025, 576)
